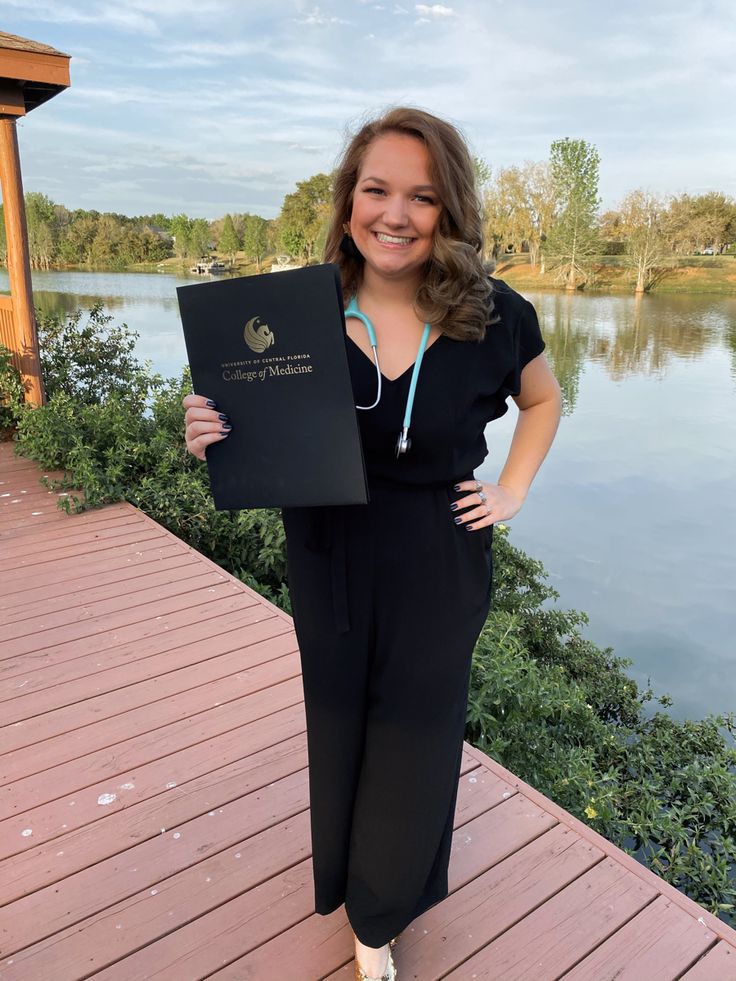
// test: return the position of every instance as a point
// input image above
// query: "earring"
(347, 245)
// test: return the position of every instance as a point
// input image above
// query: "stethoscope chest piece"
(403, 443)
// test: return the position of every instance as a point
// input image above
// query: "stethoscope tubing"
(352, 310)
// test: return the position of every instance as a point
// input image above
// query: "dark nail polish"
(211, 404)
(458, 520)
(469, 527)
(223, 417)
(223, 433)
(456, 487)
(227, 425)
(453, 507)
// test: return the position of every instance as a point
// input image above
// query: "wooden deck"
(155, 812)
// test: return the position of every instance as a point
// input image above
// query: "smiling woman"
(389, 598)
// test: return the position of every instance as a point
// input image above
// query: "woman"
(389, 598)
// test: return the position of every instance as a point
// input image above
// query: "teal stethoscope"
(403, 443)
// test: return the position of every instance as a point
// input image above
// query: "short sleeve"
(528, 343)
(531, 342)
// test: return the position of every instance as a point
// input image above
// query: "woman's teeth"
(393, 239)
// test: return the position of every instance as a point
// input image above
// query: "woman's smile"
(394, 241)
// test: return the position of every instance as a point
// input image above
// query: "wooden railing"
(7, 328)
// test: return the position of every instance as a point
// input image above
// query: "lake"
(634, 512)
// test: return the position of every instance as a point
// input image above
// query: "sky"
(216, 106)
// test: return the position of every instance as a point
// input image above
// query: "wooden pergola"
(30, 74)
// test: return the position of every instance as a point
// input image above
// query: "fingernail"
(222, 433)
(453, 507)
(227, 425)
(456, 487)
(469, 527)
(211, 404)
(458, 520)
(223, 417)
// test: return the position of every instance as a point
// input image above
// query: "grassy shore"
(695, 274)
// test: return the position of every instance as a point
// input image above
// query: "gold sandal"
(390, 974)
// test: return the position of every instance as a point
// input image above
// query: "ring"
(488, 509)
(482, 497)
(478, 487)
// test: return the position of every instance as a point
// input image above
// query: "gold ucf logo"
(258, 338)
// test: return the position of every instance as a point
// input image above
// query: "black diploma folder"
(270, 351)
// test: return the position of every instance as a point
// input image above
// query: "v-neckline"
(392, 381)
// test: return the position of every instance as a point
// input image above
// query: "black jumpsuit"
(388, 600)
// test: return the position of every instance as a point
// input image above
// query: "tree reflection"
(647, 335)
(567, 342)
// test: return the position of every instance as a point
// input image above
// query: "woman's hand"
(503, 502)
(204, 424)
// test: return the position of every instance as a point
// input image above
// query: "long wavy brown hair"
(455, 293)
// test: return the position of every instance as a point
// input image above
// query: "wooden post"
(19, 266)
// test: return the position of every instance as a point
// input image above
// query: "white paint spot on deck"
(170, 784)
(472, 780)
(35, 513)
(154, 892)
(27, 832)
(127, 786)
(106, 798)
(238, 855)
(177, 834)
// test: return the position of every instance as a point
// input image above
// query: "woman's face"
(395, 207)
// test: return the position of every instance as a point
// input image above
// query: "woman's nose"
(396, 211)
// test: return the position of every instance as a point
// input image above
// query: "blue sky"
(215, 106)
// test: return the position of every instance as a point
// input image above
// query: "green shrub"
(544, 701)
(12, 392)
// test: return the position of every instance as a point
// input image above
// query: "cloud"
(435, 10)
(320, 19)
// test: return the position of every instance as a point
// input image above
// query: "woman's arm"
(540, 408)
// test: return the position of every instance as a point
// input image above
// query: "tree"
(640, 225)
(199, 238)
(572, 238)
(506, 212)
(229, 242)
(542, 207)
(304, 214)
(42, 227)
(255, 238)
(181, 227)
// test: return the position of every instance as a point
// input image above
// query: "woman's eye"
(423, 197)
(373, 190)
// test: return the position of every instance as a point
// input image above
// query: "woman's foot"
(374, 961)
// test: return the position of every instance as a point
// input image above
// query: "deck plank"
(658, 944)
(718, 964)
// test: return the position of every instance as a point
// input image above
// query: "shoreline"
(713, 275)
